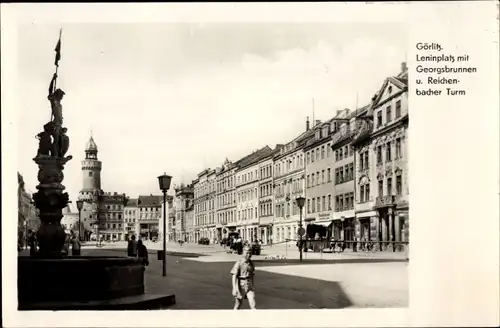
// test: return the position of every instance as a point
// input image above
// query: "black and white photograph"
(149, 183)
(221, 165)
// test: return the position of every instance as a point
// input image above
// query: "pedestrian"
(142, 253)
(355, 244)
(75, 246)
(67, 240)
(132, 247)
(242, 280)
(32, 242)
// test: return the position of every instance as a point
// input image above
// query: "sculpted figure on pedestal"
(45, 143)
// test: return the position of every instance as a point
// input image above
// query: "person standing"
(243, 273)
(75, 246)
(142, 253)
(32, 242)
(132, 247)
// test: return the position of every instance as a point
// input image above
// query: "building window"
(337, 203)
(341, 155)
(308, 206)
(322, 152)
(398, 148)
(361, 194)
(367, 192)
(312, 156)
(90, 173)
(398, 108)
(328, 150)
(341, 175)
(323, 176)
(318, 204)
(317, 178)
(351, 151)
(323, 205)
(379, 118)
(351, 171)
(399, 185)
(381, 188)
(336, 155)
(329, 202)
(388, 155)
(389, 186)
(388, 114)
(314, 205)
(329, 174)
(379, 154)
(352, 200)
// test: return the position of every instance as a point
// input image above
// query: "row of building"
(351, 169)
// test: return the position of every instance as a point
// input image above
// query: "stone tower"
(91, 172)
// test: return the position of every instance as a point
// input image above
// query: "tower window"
(90, 173)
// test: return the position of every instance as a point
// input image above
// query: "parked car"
(204, 241)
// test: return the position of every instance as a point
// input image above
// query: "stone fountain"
(53, 280)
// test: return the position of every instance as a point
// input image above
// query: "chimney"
(317, 122)
(307, 124)
(404, 68)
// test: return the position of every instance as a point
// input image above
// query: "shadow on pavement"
(207, 286)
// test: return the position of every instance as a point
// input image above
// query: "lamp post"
(164, 183)
(79, 205)
(300, 203)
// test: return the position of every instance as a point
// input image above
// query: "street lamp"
(79, 205)
(164, 182)
(300, 203)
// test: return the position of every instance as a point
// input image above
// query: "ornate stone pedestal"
(50, 201)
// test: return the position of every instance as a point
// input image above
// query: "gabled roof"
(398, 82)
(151, 200)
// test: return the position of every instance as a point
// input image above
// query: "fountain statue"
(73, 282)
(51, 198)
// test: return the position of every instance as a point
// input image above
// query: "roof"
(151, 200)
(91, 145)
(254, 157)
(132, 202)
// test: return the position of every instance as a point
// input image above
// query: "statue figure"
(63, 143)
(45, 144)
(55, 97)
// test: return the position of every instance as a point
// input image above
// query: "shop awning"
(322, 223)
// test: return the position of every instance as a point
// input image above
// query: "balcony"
(384, 201)
(364, 128)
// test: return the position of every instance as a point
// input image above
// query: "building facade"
(27, 212)
(190, 222)
(266, 197)
(184, 195)
(226, 199)
(320, 191)
(382, 200)
(247, 191)
(69, 221)
(131, 218)
(344, 215)
(111, 222)
(289, 184)
(205, 209)
(149, 216)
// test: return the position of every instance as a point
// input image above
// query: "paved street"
(202, 281)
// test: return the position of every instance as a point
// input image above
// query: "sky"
(181, 97)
